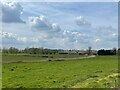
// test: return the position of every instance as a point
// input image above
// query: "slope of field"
(82, 73)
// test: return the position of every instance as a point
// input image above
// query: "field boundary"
(52, 59)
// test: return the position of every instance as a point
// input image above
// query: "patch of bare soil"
(78, 58)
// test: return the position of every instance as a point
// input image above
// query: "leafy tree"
(13, 50)
(5, 50)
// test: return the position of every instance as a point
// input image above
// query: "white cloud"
(97, 40)
(13, 38)
(107, 33)
(41, 23)
(8, 35)
(114, 34)
(80, 21)
(55, 27)
(105, 37)
(22, 39)
(11, 12)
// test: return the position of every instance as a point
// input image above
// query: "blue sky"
(61, 25)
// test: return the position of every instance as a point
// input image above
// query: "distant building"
(82, 52)
(72, 52)
(62, 52)
(77, 52)
(94, 52)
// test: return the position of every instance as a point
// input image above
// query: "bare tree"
(89, 50)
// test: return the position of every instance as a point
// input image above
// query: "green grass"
(0, 70)
(7, 58)
(63, 74)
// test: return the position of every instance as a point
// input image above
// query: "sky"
(59, 25)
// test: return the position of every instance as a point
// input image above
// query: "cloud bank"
(53, 32)
(11, 12)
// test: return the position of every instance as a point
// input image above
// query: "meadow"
(11, 58)
(97, 72)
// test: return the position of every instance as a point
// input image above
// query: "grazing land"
(95, 72)
(12, 58)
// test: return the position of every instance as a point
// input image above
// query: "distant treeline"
(107, 52)
(13, 50)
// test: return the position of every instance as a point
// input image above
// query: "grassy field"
(98, 72)
(10, 58)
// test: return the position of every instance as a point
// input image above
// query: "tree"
(89, 50)
(118, 51)
(4, 50)
(13, 50)
(114, 51)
